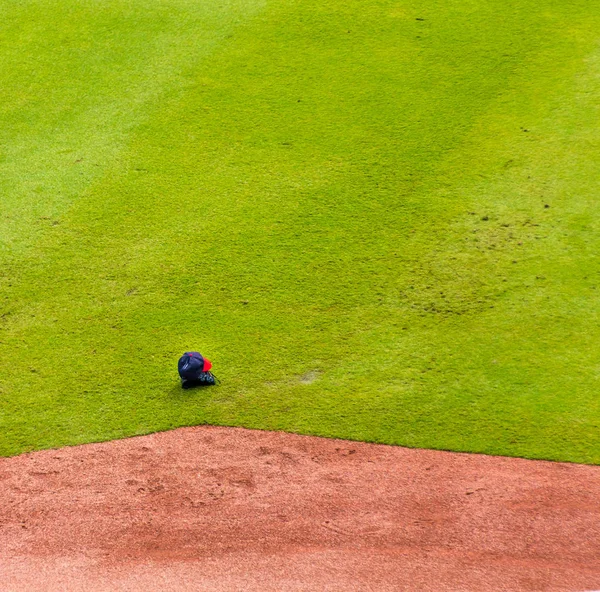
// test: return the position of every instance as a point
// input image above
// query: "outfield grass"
(375, 217)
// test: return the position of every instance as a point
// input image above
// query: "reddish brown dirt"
(231, 509)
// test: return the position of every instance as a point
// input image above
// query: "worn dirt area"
(230, 509)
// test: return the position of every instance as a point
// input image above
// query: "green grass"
(342, 203)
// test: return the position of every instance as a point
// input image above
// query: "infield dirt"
(210, 508)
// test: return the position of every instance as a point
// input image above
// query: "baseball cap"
(191, 364)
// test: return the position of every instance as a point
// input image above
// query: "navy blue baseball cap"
(191, 364)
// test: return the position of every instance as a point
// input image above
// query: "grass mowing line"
(302, 206)
(77, 80)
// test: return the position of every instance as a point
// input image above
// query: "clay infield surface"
(226, 509)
